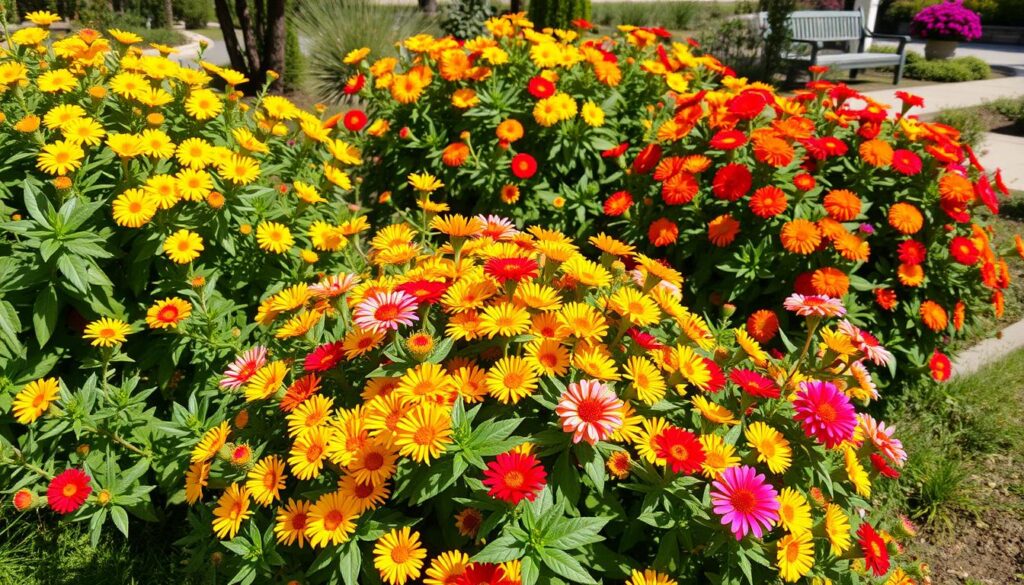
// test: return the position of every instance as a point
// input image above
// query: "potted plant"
(944, 25)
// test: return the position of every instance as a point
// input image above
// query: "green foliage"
(968, 121)
(777, 39)
(737, 41)
(672, 14)
(464, 19)
(336, 27)
(1012, 108)
(558, 13)
(948, 70)
(294, 60)
(195, 13)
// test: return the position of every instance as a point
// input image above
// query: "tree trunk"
(428, 6)
(252, 49)
(275, 36)
(227, 28)
(168, 14)
(515, 6)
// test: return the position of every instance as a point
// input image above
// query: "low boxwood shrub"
(946, 70)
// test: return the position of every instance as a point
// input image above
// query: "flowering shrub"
(752, 195)
(947, 21)
(143, 213)
(499, 407)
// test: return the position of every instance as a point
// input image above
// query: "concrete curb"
(990, 350)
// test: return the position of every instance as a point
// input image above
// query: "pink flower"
(814, 305)
(590, 411)
(825, 412)
(244, 367)
(497, 227)
(332, 286)
(866, 343)
(746, 502)
(881, 436)
(386, 310)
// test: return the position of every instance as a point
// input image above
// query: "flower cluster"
(751, 194)
(531, 406)
(949, 21)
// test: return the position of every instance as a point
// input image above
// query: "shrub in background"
(558, 13)
(294, 60)
(717, 177)
(194, 13)
(1012, 108)
(946, 70)
(464, 19)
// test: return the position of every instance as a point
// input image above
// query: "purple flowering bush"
(949, 21)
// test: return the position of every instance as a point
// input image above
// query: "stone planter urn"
(936, 49)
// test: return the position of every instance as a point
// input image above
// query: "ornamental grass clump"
(485, 404)
(751, 194)
(946, 21)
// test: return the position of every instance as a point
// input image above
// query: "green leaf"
(573, 533)
(120, 518)
(10, 325)
(349, 563)
(565, 565)
(502, 549)
(529, 570)
(44, 314)
(37, 205)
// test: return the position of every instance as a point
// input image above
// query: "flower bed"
(752, 195)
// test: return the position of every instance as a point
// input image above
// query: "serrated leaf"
(502, 549)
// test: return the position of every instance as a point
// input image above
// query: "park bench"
(812, 29)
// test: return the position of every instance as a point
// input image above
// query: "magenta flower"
(590, 411)
(386, 310)
(746, 502)
(946, 21)
(244, 367)
(825, 412)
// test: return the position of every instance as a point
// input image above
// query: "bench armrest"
(903, 39)
(815, 47)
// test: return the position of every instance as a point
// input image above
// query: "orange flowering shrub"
(751, 194)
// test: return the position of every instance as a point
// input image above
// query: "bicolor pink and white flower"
(244, 367)
(747, 503)
(814, 305)
(335, 285)
(497, 227)
(825, 413)
(882, 437)
(589, 410)
(868, 344)
(386, 310)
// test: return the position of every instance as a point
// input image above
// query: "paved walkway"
(988, 351)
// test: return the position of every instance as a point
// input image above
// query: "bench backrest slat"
(814, 25)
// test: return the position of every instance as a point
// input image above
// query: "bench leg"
(898, 76)
(853, 73)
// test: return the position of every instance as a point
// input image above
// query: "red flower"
(906, 162)
(762, 325)
(644, 339)
(882, 466)
(983, 189)
(731, 182)
(910, 100)
(886, 298)
(681, 449)
(540, 88)
(963, 251)
(68, 491)
(583, 24)
(616, 151)
(513, 477)
(958, 212)
(876, 555)
(824, 147)
(717, 381)
(426, 292)
(324, 357)
(768, 201)
(804, 182)
(355, 120)
(728, 139)
(646, 159)
(483, 574)
(524, 166)
(940, 366)
(354, 84)
(911, 252)
(517, 269)
(804, 284)
(749, 103)
(618, 203)
(754, 384)
(662, 232)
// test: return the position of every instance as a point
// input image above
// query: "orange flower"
(679, 189)
(800, 236)
(955, 188)
(455, 154)
(830, 282)
(722, 230)
(607, 73)
(934, 316)
(842, 204)
(876, 153)
(830, 228)
(663, 232)
(851, 247)
(999, 303)
(910, 274)
(763, 325)
(1018, 242)
(510, 194)
(886, 298)
(905, 218)
(768, 201)
(773, 151)
(959, 313)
